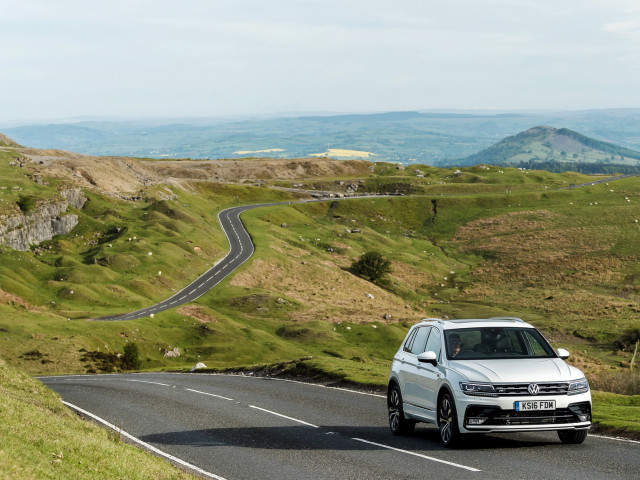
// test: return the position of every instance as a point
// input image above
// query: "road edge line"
(144, 444)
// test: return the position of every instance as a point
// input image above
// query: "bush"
(372, 266)
(131, 358)
(26, 203)
(627, 339)
(623, 383)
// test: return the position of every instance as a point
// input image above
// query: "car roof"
(476, 322)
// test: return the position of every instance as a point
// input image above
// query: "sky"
(210, 58)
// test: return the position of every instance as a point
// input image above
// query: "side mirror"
(562, 353)
(428, 357)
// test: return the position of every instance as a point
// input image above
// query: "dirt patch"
(13, 299)
(198, 313)
(258, 169)
(325, 290)
(122, 175)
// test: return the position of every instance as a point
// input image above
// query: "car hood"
(516, 370)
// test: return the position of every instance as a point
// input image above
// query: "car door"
(427, 376)
(410, 367)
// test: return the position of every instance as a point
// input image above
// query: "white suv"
(485, 375)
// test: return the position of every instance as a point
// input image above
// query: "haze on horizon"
(159, 58)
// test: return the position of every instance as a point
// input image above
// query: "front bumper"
(497, 414)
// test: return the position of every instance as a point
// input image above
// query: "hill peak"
(548, 147)
(540, 129)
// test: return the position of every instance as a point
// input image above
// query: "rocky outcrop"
(43, 222)
(75, 196)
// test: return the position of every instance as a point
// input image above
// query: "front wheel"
(448, 421)
(398, 424)
(572, 436)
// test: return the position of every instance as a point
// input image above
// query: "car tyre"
(572, 436)
(448, 421)
(397, 422)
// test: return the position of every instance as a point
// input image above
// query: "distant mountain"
(407, 137)
(561, 148)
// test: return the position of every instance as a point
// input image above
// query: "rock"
(370, 296)
(197, 366)
(386, 316)
(172, 353)
(75, 197)
(284, 225)
(19, 231)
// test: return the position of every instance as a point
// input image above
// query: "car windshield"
(495, 343)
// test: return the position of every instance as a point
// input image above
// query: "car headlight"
(578, 386)
(480, 389)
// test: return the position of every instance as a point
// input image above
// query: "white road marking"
(175, 301)
(144, 444)
(619, 439)
(284, 416)
(210, 394)
(146, 381)
(417, 455)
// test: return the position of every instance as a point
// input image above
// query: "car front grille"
(495, 416)
(522, 389)
(511, 417)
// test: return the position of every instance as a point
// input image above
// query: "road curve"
(242, 427)
(240, 249)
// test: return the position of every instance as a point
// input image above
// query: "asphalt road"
(242, 427)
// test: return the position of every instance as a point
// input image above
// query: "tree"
(131, 358)
(372, 266)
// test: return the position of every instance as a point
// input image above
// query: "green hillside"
(470, 242)
(488, 248)
(558, 150)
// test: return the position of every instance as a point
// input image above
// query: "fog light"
(477, 421)
(583, 418)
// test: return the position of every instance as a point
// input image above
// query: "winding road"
(244, 427)
(240, 249)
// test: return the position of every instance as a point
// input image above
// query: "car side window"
(421, 339)
(407, 344)
(434, 344)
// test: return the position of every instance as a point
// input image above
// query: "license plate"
(535, 405)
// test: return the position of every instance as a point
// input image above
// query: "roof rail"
(433, 319)
(515, 319)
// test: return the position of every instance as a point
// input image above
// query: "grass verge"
(42, 439)
(616, 414)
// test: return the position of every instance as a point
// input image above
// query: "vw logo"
(533, 389)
